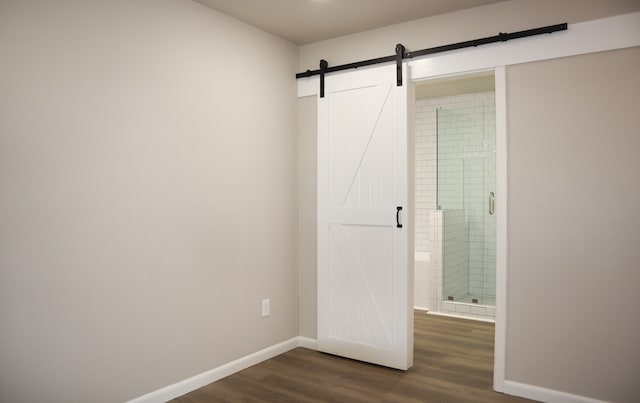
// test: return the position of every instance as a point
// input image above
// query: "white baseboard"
(544, 394)
(205, 378)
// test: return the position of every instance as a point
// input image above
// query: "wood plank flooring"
(453, 362)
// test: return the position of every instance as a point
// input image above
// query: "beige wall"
(307, 228)
(148, 175)
(148, 179)
(508, 16)
(574, 191)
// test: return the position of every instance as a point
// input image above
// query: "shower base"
(463, 307)
(468, 299)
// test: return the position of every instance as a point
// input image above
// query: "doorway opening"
(455, 188)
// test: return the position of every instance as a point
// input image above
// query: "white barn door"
(364, 306)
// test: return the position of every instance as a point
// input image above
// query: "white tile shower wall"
(475, 162)
(435, 299)
(455, 254)
(425, 175)
(435, 277)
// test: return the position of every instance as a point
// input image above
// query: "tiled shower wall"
(456, 255)
(471, 160)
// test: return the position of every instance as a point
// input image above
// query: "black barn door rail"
(402, 53)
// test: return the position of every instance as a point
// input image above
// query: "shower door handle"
(492, 203)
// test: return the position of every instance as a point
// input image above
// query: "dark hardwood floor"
(453, 362)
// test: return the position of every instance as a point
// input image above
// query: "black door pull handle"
(399, 209)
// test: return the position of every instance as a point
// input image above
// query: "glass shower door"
(465, 183)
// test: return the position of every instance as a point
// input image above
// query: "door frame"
(501, 212)
(617, 32)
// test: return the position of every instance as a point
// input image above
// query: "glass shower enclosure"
(466, 179)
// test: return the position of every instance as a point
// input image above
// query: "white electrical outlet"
(266, 307)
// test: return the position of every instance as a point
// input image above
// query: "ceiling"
(308, 21)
